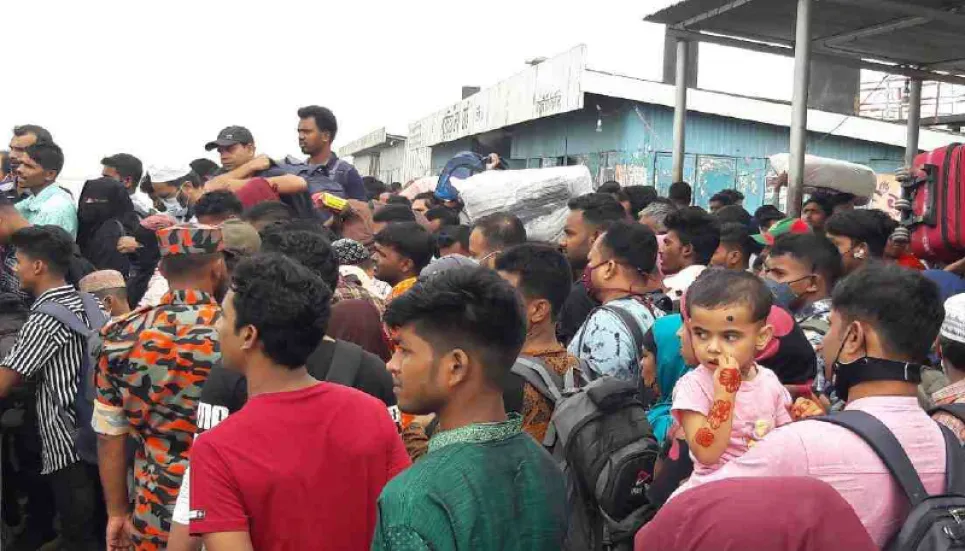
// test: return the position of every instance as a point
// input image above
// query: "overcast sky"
(159, 79)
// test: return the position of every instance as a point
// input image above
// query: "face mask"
(784, 294)
(862, 370)
(587, 277)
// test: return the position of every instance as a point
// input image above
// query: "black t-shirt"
(575, 310)
(226, 391)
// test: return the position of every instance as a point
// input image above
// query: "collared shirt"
(511, 495)
(52, 206)
(49, 351)
(951, 394)
(153, 365)
(842, 459)
(320, 178)
(608, 344)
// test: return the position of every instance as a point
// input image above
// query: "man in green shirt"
(484, 485)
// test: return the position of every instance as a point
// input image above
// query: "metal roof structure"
(917, 38)
(921, 39)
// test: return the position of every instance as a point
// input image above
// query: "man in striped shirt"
(48, 351)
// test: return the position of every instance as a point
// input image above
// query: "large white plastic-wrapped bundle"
(537, 196)
(822, 174)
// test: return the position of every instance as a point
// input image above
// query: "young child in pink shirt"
(728, 403)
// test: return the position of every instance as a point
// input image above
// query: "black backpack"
(936, 522)
(85, 439)
(600, 436)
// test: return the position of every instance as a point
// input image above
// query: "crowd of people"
(282, 354)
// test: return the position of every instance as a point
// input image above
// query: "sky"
(160, 79)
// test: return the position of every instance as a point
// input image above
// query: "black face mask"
(866, 369)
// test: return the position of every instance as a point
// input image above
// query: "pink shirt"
(759, 407)
(842, 459)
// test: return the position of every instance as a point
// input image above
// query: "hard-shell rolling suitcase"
(934, 213)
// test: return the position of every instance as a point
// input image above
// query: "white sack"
(831, 174)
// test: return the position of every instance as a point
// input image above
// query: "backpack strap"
(346, 361)
(547, 382)
(92, 309)
(955, 410)
(954, 462)
(630, 322)
(886, 446)
(68, 318)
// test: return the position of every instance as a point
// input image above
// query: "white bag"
(822, 174)
(537, 196)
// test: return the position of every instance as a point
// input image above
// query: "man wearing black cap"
(236, 146)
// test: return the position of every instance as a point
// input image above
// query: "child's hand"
(727, 376)
(804, 408)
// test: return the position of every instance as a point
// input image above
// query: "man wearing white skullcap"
(177, 188)
(950, 401)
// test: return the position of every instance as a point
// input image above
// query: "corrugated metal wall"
(632, 144)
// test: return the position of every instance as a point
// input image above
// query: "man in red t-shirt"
(301, 466)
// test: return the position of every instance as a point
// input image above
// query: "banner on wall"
(886, 193)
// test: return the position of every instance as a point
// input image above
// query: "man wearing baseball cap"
(782, 227)
(152, 367)
(240, 165)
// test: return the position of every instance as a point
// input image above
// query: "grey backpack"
(600, 436)
(935, 522)
(85, 439)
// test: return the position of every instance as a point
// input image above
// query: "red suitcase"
(937, 198)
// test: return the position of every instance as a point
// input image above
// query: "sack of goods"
(821, 174)
(537, 196)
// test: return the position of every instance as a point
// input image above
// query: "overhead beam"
(875, 30)
(710, 14)
(831, 57)
(905, 8)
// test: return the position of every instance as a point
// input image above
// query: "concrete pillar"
(799, 110)
(670, 61)
(680, 112)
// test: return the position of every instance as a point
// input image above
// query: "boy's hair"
(286, 302)
(681, 192)
(543, 272)
(697, 228)
(953, 352)
(737, 236)
(219, 203)
(471, 308)
(47, 154)
(903, 306)
(447, 236)
(308, 248)
(861, 226)
(268, 212)
(640, 197)
(599, 209)
(813, 250)
(398, 200)
(393, 213)
(633, 244)
(717, 288)
(50, 244)
(410, 240)
(733, 213)
(501, 230)
(448, 216)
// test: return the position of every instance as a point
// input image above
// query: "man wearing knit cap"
(950, 401)
(152, 367)
(110, 288)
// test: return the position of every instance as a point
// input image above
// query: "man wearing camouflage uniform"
(152, 366)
